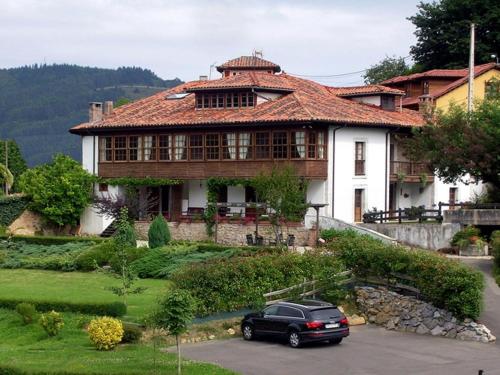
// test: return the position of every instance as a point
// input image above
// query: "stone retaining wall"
(408, 314)
(229, 233)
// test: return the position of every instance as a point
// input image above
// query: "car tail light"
(314, 325)
(344, 321)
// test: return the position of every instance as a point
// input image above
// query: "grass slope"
(28, 348)
(77, 287)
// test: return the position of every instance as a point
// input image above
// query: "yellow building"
(441, 87)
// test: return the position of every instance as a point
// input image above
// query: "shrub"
(158, 233)
(54, 240)
(132, 333)
(133, 254)
(465, 236)
(125, 233)
(97, 255)
(105, 332)
(230, 284)
(443, 282)
(495, 245)
(52, 323)
(106, 308)
(27, 312)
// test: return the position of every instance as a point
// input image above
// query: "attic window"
(229, 100)
(388, 103)
(181, 95)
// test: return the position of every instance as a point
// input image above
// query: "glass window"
(206, 100)
(271, 310)
(212, 146)
(325, 314)
(244, 99)
(321, 145)
(149, 147)
(245, 143)
(134, 148)
(180, 149)
(106, 148)
(235, 100)
(298, 145)
(120, 148)
(220, 100)
(229, 146)
(311, 149)
(229, 100)
(290, 312)
(165, 147)
(250, 100)
(280, 145)
(199, 101)
(359, 162)
(196, 147)
(262, 145)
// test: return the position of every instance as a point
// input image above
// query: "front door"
(358, 205)
(452, 198)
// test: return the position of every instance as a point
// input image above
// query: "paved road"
(369, 350)
(491, 313)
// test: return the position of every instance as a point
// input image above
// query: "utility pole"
(470, 96)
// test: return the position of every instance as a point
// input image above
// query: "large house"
(346, 141)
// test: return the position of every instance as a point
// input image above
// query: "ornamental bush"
(105, 332)
(27, 311)
(444, 282)
(158, 233)
(131, 333)
(52, 323)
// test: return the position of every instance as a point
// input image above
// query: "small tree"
(158, 233)
(174, 312)
(284, 192)
(387, 68)
(59, 191)
(123, 239)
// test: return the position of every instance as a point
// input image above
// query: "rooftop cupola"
(246, 64)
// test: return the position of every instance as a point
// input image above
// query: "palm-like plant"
(6, 177)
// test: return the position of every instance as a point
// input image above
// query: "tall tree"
(387, 68)
(458, 144)
(443, 32)
(59, 191)
(16, 163)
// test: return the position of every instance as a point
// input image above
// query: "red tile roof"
(309, 102)
(437, 73)
(245, 80)
(364, 90)
(249, 62)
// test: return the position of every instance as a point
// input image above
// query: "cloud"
(182, 38)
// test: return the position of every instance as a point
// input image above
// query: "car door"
(264, 322)
(286, 316)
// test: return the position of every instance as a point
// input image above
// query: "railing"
(421, 213)
(409, 168)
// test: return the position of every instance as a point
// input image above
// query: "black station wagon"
(301, 322)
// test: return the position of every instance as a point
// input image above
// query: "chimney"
(108, 107)
(203, 78)
(426, 105)
(95, 111)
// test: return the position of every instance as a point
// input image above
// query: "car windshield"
(325, 314)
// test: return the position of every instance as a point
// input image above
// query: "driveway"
(369, 350)
(490, 316)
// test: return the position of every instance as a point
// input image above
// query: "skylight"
(180, 95)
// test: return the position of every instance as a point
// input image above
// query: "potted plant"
(469, 241)
(400, 177)
(423, 179)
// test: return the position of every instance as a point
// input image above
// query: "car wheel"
(294, 339)
(336, 341)
(247, 331)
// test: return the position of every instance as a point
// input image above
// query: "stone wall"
(408, 314)
(229, 233)
(472, 216)
(427, 236)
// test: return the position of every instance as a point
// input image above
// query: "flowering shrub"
(105, 332)
(52, 323)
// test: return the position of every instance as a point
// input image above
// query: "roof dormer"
(247, 64)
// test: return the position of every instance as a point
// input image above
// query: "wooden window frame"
(191, 147)
(207, 146)
(120, 149)
(102, 152)
(155, 148)
(268, 145)
(169, 147)
(286, 145)
(174, 147)
(251, 146)
(360, 164)
(304, 144)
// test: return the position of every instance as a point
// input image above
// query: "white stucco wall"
(413, 194)
(93, 223)
(90, 153)
(197, 193)
(375, 179)
(317, 192)
(263, 97)
(465, 192)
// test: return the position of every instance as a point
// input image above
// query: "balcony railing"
(409, 168)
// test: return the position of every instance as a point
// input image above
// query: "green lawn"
(28, 348)
(77, 287)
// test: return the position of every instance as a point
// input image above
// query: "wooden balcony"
(407, 171)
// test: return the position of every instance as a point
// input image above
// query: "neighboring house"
(437, 89)
(342, 140)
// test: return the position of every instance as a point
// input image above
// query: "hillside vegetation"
(39, 103)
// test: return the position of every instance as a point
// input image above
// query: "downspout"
(333, 171)
(387, 179)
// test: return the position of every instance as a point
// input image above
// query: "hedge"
(114, 309)
(11, 208)
(230, 284)
(52, 240)
(8, 370)
(495, 244)
(444, 282)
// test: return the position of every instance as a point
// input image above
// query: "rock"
(430, 323)
(356, 320)
(437, 331)
(448, 326)
(381, 318)
(390, 325)
(211, 337)
(436, 314)
(231, 331)
(422, 330)
(452, 333)
(466, 335)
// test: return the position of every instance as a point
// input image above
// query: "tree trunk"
(178, 354)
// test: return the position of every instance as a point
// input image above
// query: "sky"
(184, 38)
